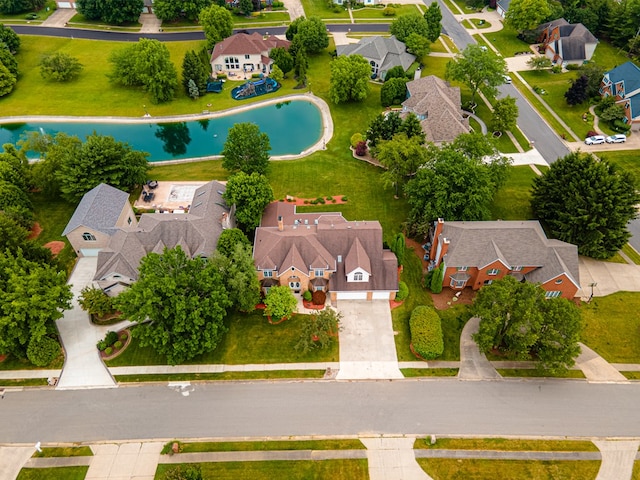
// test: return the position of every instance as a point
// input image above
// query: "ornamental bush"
(41, 352)
(356, 138)
(307, 295)
(403, 291)
(426, 332)
(361, 148)
(108, 351)
(117, 345)
(111, 338)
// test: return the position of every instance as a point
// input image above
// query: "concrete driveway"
(610, 277)
(367, 346)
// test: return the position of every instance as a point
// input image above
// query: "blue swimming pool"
(293, 126)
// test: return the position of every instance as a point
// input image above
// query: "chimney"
(280, 223)
(439, 224)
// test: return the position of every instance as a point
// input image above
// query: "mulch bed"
(336, 200)
(445, 299)
(115, 352)
(36, 230)
(311, 305)
(56, 247)
(395, 304)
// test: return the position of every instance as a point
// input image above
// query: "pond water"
(292, 126)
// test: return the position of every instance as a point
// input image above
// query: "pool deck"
(327, 123)
(162, 197)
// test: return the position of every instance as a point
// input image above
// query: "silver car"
(619, 138)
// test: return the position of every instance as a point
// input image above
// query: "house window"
(462, 269)
(294, 285)
(374, 68)
(487, 282)
(516, 269)
(318, 288)
(232, 63)
(267, 273)
(457, 283)
(553, 294)
(319, 272)
(493, 271)
(88, 237)
(357, 277)
(129, 220)
(558, 281)
(246, 57)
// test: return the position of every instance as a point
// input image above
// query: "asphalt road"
(238, 409)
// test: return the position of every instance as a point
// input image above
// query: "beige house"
(243, 53)
(100, 214)
(438, 107)
(323, 251)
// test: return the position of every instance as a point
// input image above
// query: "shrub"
(95, 301)
(42, 351)
(426, 332)
(117, 345)
(221, 76)
(388, 11)
(356, 138)
(329, 198)
(108, 351)
(556, 69)
(111, 338)
(307, 295)
(572, 66)
(592, 133)
(124, 336)
(620, 126)
(277, 4)
(403, 291)
(361, 149)
(427, 279)
(436, 280)
(318, 297)
(344, 198)
(183, 472)
(101, 345)
(320, 200)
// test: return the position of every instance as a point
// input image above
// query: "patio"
(168, 197)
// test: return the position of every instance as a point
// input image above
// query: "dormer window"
(319, 272)
(267, 273)
(357, 277)
(88, 237)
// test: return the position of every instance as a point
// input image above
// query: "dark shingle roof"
(99, 209)
(388, 52)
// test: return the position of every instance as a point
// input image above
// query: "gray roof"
(196, 232)
(574, 37)
(387, 52)
(327, 241)
(440, 104)
(514, 243)
(98, 210)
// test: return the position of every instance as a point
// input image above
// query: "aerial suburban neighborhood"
(319, 239)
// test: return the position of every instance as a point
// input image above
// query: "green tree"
(8, 60)
(301, 65)
(241, 278)
(587, 202)
(349, 79)
(94, 301)
(276, 74)
(320, 330)
(60, 67)
(168, 10)
(9, 38)
(411, 127)
(13, 237)
(527, 14)
(194, 69)
(383, 127)
(13, 196)
(437, 278)
(246, 149)
(518, 320)
(228, 240)
(313, 35)
(292, 29)
(393, 91)
(7, 81)
(280, 302)
(399, 247)
(180, 304)
(33, 298)
(42, 351)
(433, 17)
(612, 113)
(250, 193)
(282, 58)
(147, 64)
(90, 9)
(53, 151)
(402, 157)
(594, 74)
(539, 62)
(505, 114)
(577, 92)
(115, 12)
(100, 159)
(217, 23)
(405, 25)
(477, 67)
(418, 45)
(193, 89)
(245, 7)
(396, 72)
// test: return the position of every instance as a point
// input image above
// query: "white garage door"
(352, 295)
(64, 5)
(89, 252)
(381, 295)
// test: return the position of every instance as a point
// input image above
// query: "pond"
(293, 126)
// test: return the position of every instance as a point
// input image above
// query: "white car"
(619, 138)
(595, 140)
(507, 78)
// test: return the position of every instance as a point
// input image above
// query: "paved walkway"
(59, 18)
(367, 344)
(617, 459)
(473, 363)
(393, 459)
(596, 368)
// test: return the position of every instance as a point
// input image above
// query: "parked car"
(595, 140)
(619, 138)
(507, 78)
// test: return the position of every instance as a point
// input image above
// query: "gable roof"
(574, 36)
(247, 44)
(98, 210)
(196, 232)
(439, 103)
(388, 52)
(326, 240)
(514, 243)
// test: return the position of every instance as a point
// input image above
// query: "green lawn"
(330, 444)
(632, 253)
(611, 327)
(627, 159)
(512, 201)
(507, 444)
(59, 473)
(63, 452)
(608, 56)
(261, 20)
(318, 8)
(429, 372)
(534, 373)
(506, 42)
(376, 13)
(250, 339)
(14, 363)
(299, 470)
(251, 375)
(453, 469)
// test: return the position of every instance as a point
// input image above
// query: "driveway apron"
(473, 363)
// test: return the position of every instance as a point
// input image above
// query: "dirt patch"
(36, 230)
(55, 247)
(447, 297)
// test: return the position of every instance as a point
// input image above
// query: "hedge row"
(426, 332)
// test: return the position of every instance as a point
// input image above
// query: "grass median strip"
(534, 373)
(507, 444)
(632, 253)
(331, 444)
(429, 372)
(49, 452)
(253, 375)
(57, 473)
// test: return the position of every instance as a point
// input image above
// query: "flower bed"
(124, 339)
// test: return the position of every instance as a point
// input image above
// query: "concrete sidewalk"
(393, 459)
(618, 458)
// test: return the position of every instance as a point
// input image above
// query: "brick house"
(623, 83)
(245, 53)
(477, 253)
(323, 251)
(566, 42)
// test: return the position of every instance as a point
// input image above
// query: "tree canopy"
(477, 67)
(172, 9)
(393, 91)
(280, 302)
(433, 17)
(60, 67)
(405, 25)
(115, 12)
(147, 64)
(505, 114)
(282, 58)
(180, 303)
(246, 149)
(193, 69)
(228, 240)
(9, 38)
(240, 276)
(349, 79)
(313, 34)
(402, 156)
(587, 202)
(518, 320)
(250, 194)
(217, 23)
(527, 14)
